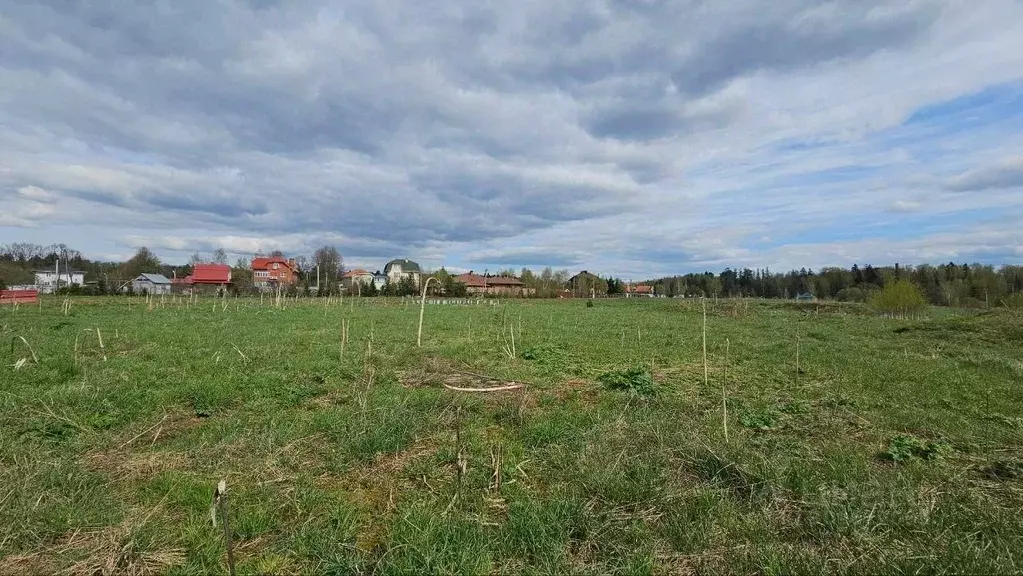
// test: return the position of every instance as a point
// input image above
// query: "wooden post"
(220, 504)
(422, 308)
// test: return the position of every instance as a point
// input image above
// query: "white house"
(48, 281)
(396, 269)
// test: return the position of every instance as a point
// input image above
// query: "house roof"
(406, 265)
(264, 263)
(62, 272)
(640, 289)
(154, 278)
(210, 274)
(476, 281)
(470, 280)
(503, 281)
(356, 272)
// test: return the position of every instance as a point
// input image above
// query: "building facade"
(274, 271)
(49, 281)
(492, 285)
(355, 280)
(151, 284)
(395, 270)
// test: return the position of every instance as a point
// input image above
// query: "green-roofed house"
(395, 270)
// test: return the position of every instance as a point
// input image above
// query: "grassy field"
(895, 447)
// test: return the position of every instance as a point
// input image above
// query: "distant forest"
(960, 285)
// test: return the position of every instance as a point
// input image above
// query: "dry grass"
(126, 465)
(27, 565)
(125, 549)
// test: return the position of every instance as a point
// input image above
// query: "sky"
(634, 138)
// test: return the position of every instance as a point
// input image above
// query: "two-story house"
(395, 270)
(274, 271)
(49, 281)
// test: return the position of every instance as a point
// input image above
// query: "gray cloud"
(399, 129)
(1008, 174)
(536, 257)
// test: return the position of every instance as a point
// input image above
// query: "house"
(492, 285)
(151, 284)
(639, 290)
(204, 277)
(379, 280)
(353, 281)
(49, 281)
(587, 285)
(395, 270)
(274, 271)
(806, 297)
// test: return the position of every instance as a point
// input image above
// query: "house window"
(276, 265)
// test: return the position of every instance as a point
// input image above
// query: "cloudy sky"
(628, 137)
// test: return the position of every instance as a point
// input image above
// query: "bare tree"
(330, 262)
(22, 252)
(220, 256)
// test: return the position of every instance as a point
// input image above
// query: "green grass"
(897, 448)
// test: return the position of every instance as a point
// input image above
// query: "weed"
(635, 380)
(765, 419)
(904, 448)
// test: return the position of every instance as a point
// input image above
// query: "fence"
(19, 296)
(462, 301)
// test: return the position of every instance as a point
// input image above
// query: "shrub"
(972, 303)
(1013, 301)
(900, 299)
(851, 294)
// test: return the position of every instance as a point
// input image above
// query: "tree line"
(958, 285)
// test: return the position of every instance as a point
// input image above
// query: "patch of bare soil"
(579, 389)
(174, 424)
(128, 465)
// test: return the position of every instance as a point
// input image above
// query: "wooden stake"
(724, 403)
(706, 375)
(797, 359)
(220, 504)
(101, 347)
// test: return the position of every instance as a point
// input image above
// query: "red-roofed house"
(493, 285)
(216, 274)
(356, 280)
(274, 271)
